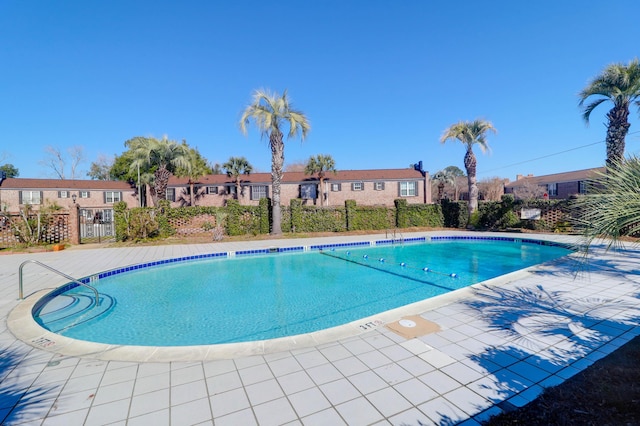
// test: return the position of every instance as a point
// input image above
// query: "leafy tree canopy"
(454, 171)
(100, 169)
(10, 170)
(199, 165)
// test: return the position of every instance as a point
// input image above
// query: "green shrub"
(455, 214)
(350, 209)
(402, 216)
(369, 218)
(138, 223)
(264, 215)
(423, 215)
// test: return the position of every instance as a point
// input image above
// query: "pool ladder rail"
(394, 235)
(22, 265)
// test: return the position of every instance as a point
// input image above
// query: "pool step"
(69, 310)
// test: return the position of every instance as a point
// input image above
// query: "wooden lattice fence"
(55, 230)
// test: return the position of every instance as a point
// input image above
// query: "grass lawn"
(606, 393)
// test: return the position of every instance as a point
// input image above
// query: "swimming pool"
(230, 297)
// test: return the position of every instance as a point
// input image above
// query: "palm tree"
(197, 167)
(611, 207)
(320, 164)
(619, 84)
(456, 174)
(470, 133)
(270, 113)
(235, 167)
(443, 177)
(165, 155)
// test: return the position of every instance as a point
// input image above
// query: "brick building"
(366, 187)
(556, 186)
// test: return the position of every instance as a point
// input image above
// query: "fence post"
(74, 224)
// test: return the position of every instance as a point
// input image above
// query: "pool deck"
(499, 345)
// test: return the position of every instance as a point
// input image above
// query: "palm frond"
(590, 107)
(618, 83)
(612, 208)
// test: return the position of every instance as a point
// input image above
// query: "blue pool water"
(224, 300)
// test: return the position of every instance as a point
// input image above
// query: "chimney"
(518, 177)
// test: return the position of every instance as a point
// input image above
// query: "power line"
(551, 155)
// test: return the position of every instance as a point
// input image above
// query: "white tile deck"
(503, 341)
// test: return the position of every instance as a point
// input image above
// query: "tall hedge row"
(138, 223)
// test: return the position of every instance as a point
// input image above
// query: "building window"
(408, 189)
(212, 189)
(552, 189)
(30, 197)
(582, 187)
(336, 187)
(171, 194)
(63, 194)
(230, 189)
(112, 196)
(84, 194)
(259, 191)
(357, 186)
(378, 186)
(308, 191)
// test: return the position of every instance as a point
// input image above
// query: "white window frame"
(259, 191)
(84, 194)
(582, 187)
(31, 197)
(357, 186)
(378, 186)
(171, 194)
(336, 187)
(552, 189)
(63, 194)
(111, 197)
(212, 189)
(409, 188)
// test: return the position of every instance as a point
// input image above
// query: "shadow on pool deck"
(19, 399)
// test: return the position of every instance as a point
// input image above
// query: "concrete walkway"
(499, 345)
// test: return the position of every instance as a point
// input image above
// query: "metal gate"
(96, 225)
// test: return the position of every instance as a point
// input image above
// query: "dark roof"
(295, 177)
(575, 176)
(63, 184)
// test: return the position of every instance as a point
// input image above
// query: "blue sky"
(379, 80)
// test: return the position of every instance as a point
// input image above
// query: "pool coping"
(24, 327)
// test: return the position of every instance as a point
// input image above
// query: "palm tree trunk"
(277, 162)
(238, 188)
(321, 190)
(162, 179)
(470, 165)
(617, 130)
(191, 197)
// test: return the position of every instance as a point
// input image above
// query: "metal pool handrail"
(20, 293)
(394, 237)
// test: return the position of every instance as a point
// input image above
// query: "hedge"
(140, 223)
